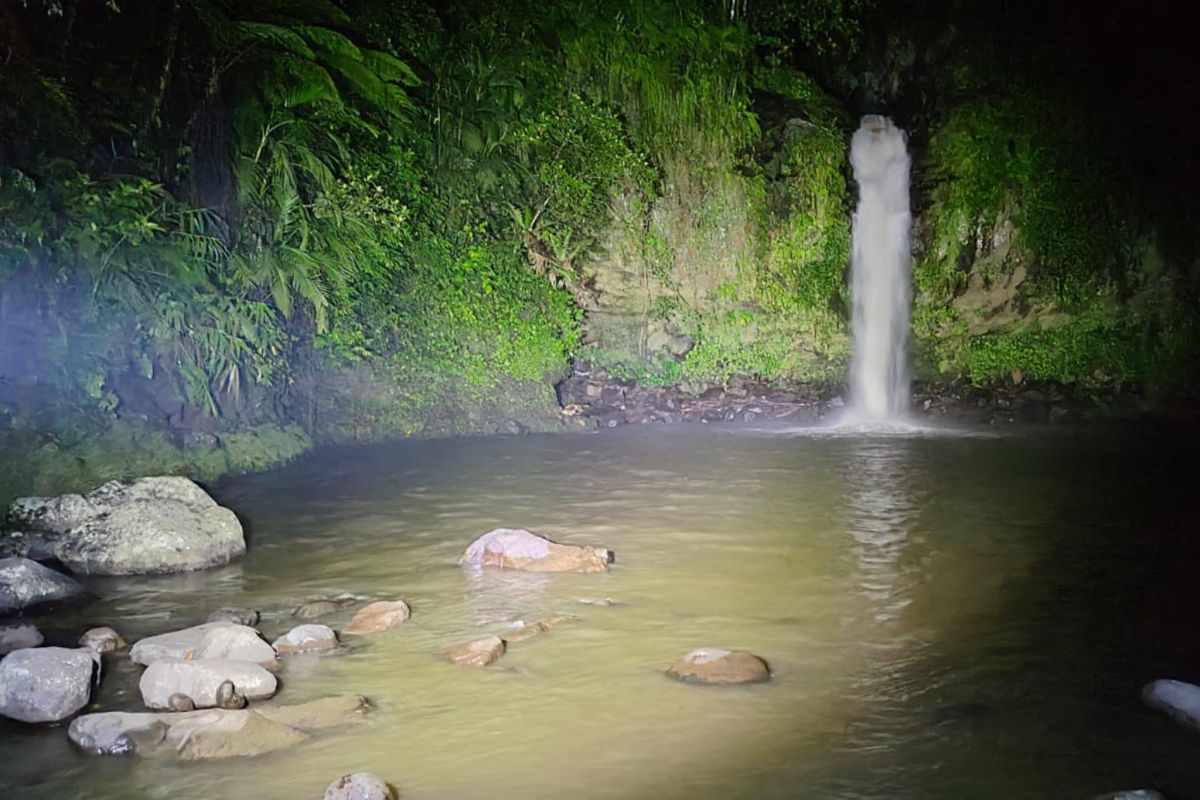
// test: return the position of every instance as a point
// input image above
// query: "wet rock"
(238, 616)
(305, 639)
(315, 609)
(203, 682)
(26, 584)
(212, 640)
(524, 631)
(1176, 699)
(102, 640)
(378, 616)
(714, 666)
(152, 525)
(607, 602)
(45, 684)
(214, 733)
(359, 786)
(514, 548)
(479, 653)
(19, 637)
(181, 702)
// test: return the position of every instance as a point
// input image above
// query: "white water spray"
(881, 266)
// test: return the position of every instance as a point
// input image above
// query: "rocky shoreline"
(591, 397)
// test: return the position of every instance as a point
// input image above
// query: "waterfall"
(880, 268)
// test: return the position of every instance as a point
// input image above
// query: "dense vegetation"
(229, 228)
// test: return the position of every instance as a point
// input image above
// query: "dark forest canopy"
(214, 214)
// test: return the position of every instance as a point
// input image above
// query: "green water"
(945, 616)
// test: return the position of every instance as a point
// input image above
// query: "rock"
(180, 702)
(45, 684)
(513, 548)
(152, 525)
(378, 616)
(305, 639)
(203, 682)
(315, 609)
(1176, 699)
(214, 733)
(229, 696)
(25, 584)
(102, 640)
(238, 616)
(212, 640)
(526, 631)
(359, 786)
(710, 665)
(19, 637)
(479, 653)
(607, 602)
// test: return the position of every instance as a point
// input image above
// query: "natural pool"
(946, 616)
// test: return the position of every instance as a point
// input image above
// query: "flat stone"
(19, 637)
(524, 631)
(1176, 699)
(477, 653)
(515, 548)
(214, 733)
(151, 525)
(102, 640)
(201, 681)
(238, 616)
(45, 684)
(315, 609)
(305, 639)
(219, 640)
(26, 584)
(359, 786)
(378, 616)
(715, 666)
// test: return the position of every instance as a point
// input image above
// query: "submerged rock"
(102, 640)
(152, 525)
(315, 609)
(45, 684)
(714, 666)
(306, 639)
(207, 683)
(515, 548)
(359, 786)
(25, 584)
(214, 733)
(523, 631)
(238, 616)
(477, 653)
(212, 640)
(378, 616)
(1178, 700)
(19, 637)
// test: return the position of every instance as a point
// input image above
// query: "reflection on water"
(928, 604)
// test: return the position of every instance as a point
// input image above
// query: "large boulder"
(200, 681)
(152, 525)
(359, 786)
(306, 639)
(712, 665)
(1178, 700)
(477, 653)
(25, 583)
(214, 733)
(514, 548)
(19, 637)
(45, 684)
(378, 616)
(219, 640)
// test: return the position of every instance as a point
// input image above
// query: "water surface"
(944, 616)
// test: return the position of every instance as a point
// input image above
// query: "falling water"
(880, 269)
